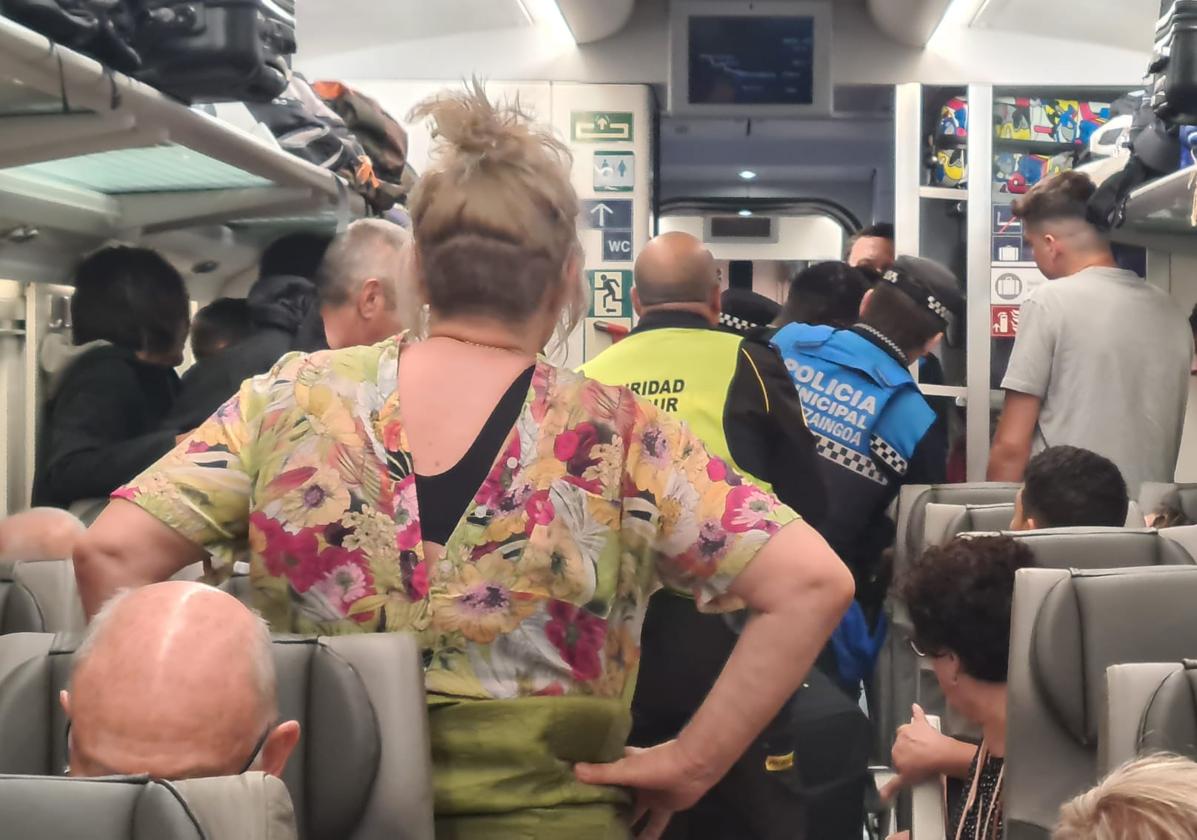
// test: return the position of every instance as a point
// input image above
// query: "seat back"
(40, 596)
(362, 770)
(1054, 548)
(1183, 497)
(894, 685)
(944, 522)
(19, 611)
(1067, 628)
(249, 807)
(1150, 707)
(52, 585)
(912, 508)
(49, 808)
(1102, 548)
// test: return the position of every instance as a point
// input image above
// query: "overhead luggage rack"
(1161, 214)
(90, 151)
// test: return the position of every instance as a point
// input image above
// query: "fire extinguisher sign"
(1003, 321)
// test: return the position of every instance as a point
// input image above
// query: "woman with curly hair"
(959, 596)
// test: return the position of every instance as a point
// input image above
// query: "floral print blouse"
(595, 499)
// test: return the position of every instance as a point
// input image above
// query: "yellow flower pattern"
(595, 499)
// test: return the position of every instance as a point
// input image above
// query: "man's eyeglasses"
(918, 651)
(253, 756)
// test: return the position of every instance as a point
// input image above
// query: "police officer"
(735, 393)
(737, 396)
(875, 430)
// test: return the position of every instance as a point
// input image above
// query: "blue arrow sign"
(607, 214)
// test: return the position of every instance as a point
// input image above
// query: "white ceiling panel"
(333, 26)
(1116, 23)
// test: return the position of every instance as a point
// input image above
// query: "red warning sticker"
(1003, 321)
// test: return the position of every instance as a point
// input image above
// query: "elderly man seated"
(176, 681)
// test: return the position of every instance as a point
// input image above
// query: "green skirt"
(504, 768)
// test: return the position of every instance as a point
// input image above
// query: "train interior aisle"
(406, 406)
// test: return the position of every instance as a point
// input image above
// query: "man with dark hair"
(1070, 379)
(873, 247)
(294, 255)
(110, 388)
(220, 324)
(1065, 486)
(825, 293)
(285, 316)
(875, 430)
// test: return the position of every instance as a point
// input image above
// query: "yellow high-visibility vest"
(686, 372)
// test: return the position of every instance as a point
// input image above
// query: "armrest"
(927, 819)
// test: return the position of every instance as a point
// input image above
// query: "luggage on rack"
(216, 50)
(102, 29)
(310, 130)
(1173, 70)
(384, 140)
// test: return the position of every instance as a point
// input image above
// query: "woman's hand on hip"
(664, 779)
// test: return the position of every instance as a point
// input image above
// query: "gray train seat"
(1067, 628)
(1054, 548)
(362, 770)
(249, 807)
(1150, 707)
(913, 499)
(943, 522)
(893, 689)
(19, 610)
(1182, 497)
(39, 596)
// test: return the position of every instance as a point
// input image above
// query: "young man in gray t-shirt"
(1101, 360)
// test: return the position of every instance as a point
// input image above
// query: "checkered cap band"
(918, 294)
(734, 323)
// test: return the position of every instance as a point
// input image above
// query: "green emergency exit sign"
(601, 126)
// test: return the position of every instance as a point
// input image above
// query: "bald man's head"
(39, 534)
(176, 680)
(675, 271)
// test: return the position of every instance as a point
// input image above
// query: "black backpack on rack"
(102, 29)
(1172, 75)
(216, 50)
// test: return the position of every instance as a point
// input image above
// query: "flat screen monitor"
(751, 59)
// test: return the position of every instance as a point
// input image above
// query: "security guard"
(875, 430)
(734, 393)
(737, 396)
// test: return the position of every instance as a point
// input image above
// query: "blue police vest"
(861, 402)
(869, 417)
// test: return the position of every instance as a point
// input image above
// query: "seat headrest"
(1182, 497)
(252, 806)
(945, 522)
(61, 808)
(19, 611)
(1102, 548)
(330, 775)
(980, 493)
(1077, 635)
(1170, 720)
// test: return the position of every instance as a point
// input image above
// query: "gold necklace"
(478, 344)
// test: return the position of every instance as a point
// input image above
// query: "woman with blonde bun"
(1153, 798)
(511, 514)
